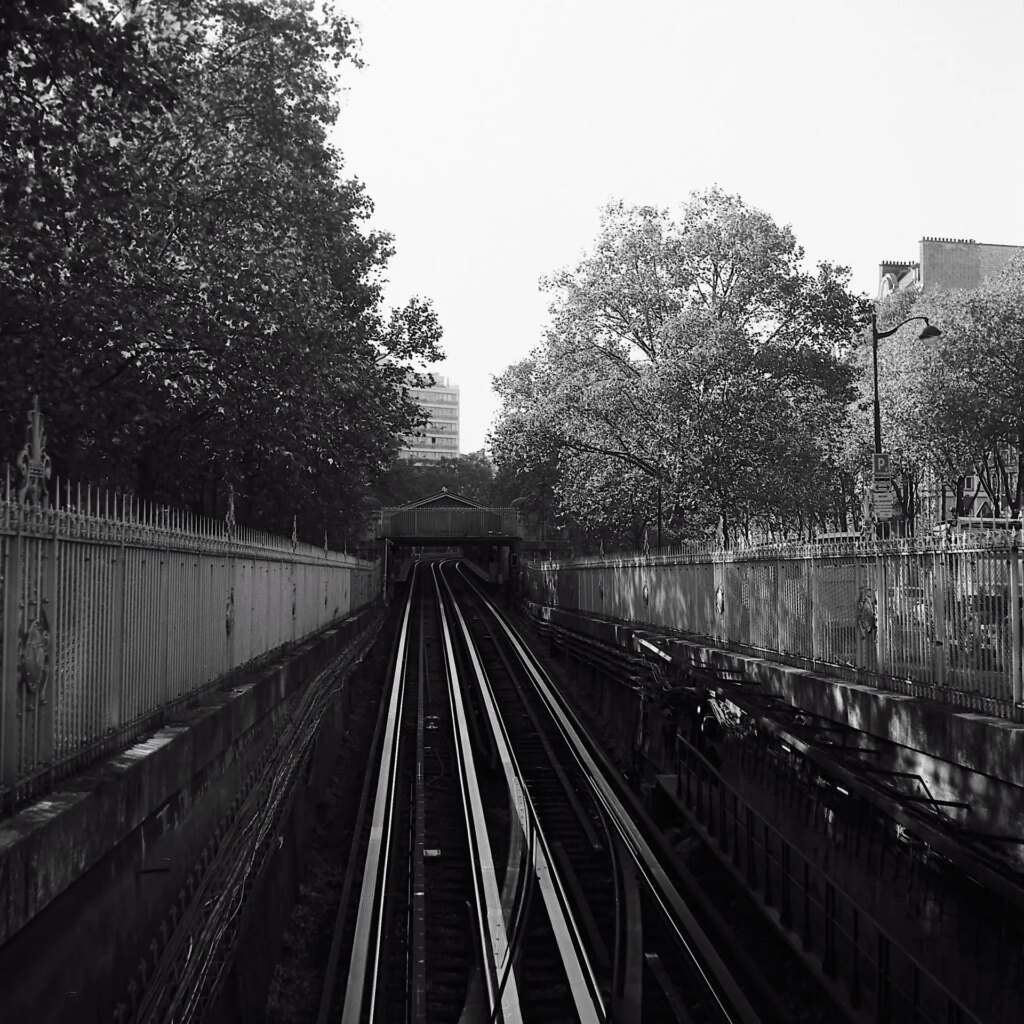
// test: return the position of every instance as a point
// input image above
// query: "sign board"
(881, 464)
(882, 501)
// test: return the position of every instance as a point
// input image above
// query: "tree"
(696, 353)
(185, 272)
(471, 476)
(951, 407)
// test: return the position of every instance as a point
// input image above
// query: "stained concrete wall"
(88, 875)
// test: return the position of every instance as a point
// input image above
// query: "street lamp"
(882, 475)
(876, 336)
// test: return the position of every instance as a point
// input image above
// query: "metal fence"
(113, 612)
(939, 617)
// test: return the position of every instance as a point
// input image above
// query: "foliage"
(954, 406)
(185, 275)
(471, 476)
(693, 354)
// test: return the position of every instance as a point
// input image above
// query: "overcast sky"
(490, 134)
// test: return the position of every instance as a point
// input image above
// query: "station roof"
(444, 499)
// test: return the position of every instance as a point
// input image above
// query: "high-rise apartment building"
(439, 439)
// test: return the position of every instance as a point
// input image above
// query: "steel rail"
(417, 952)
(334, 955)
(369, 919)
(580, 973)
(727, 994)
(497, 949)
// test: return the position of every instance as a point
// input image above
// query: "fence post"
(939, 617)
(120, 676)
(292, 577)
(162, 626)
(1015, 623)
(46, 702)
(780, 606)
(9, 717)
(881, 612)
(859, 586)
(718, 599)
(812, 582)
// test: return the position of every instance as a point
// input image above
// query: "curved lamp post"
(928, 332)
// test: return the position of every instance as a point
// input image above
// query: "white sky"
(489, 135)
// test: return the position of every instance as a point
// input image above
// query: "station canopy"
(447, 516)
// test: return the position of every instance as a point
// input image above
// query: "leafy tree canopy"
(695, 353)
(185, 272)
(953, 406)
(471, 476)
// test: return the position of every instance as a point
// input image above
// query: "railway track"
(499, 872)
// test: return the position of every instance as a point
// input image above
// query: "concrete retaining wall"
(961, 754)
(88, 874)
(986, 744)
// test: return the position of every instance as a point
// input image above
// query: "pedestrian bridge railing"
(939, 617)
(114, 612)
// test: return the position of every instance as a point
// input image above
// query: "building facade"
(439, 438)
(945, 263)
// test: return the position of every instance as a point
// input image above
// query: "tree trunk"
(146, 473)
(659, 515)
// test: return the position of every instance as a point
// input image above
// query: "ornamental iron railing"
(938, 618)
(115, 611)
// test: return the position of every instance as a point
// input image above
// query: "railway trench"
(498, 866)
(901, 913)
